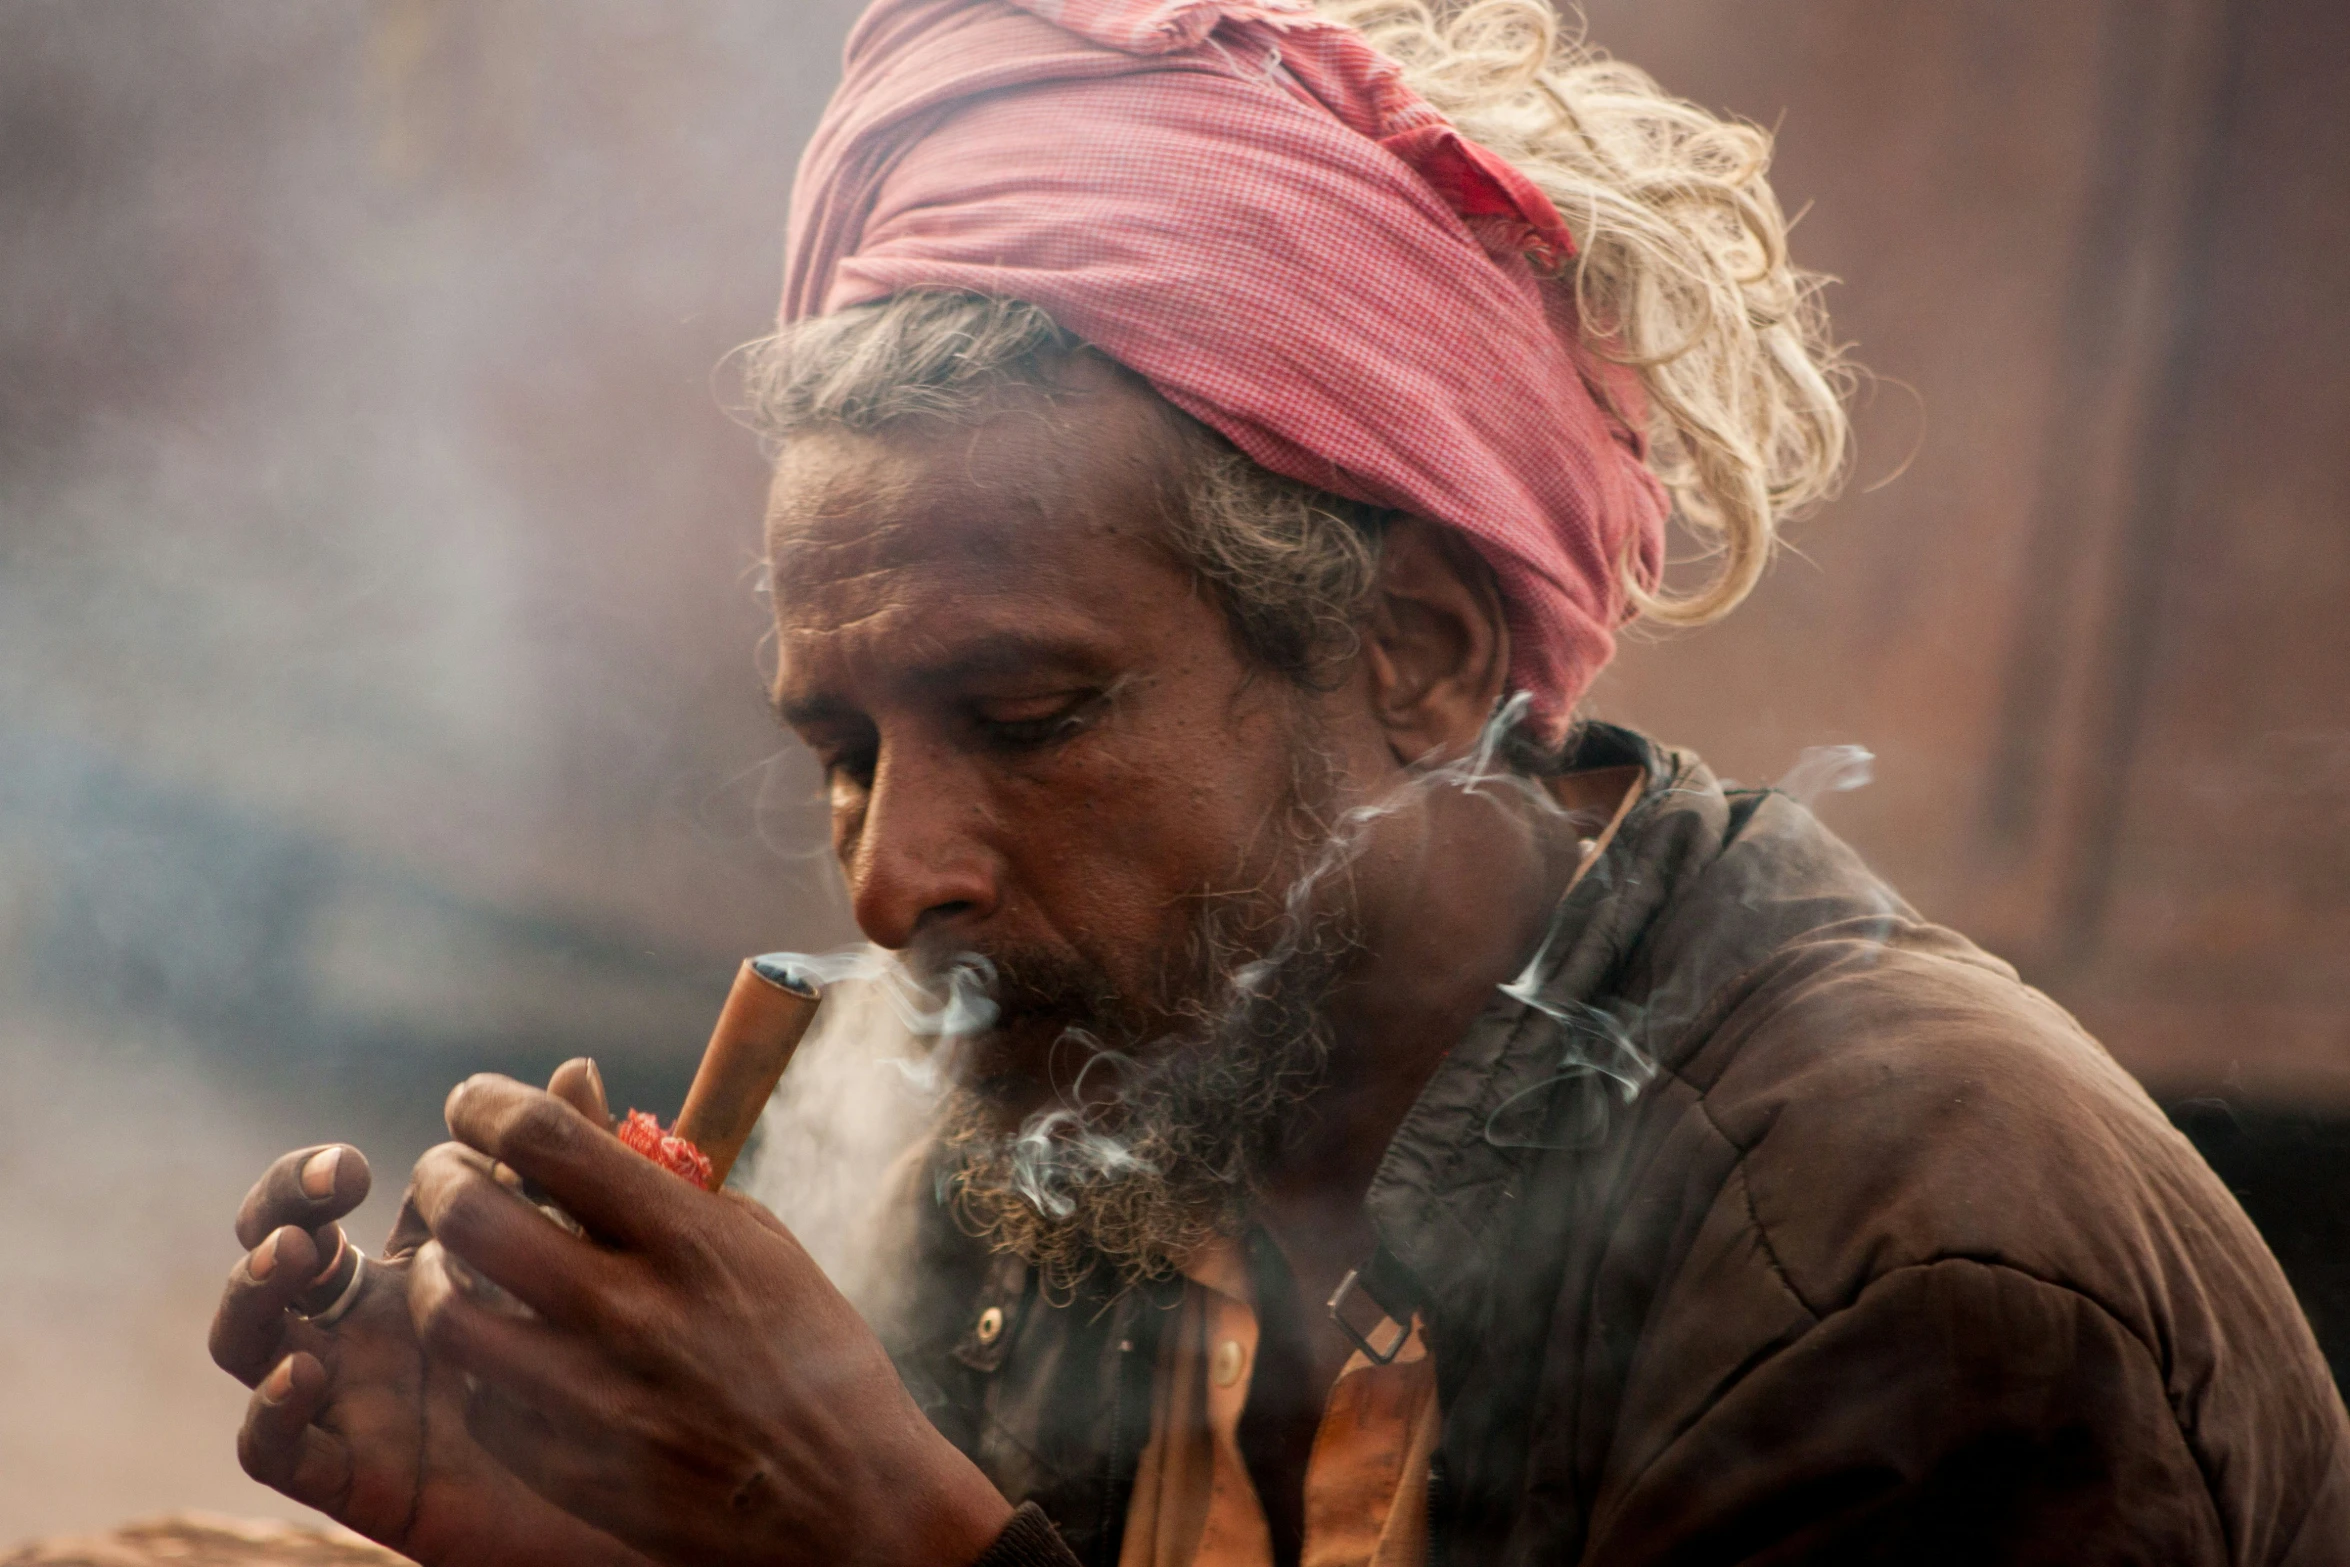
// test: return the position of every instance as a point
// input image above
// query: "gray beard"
(1173, 1153)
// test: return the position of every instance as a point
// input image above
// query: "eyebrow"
(995, 654)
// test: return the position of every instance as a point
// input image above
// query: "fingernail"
(318, 1172)
(263, 1262)
(279, 1383)
(596, 1081)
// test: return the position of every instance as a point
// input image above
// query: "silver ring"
(350, 1295)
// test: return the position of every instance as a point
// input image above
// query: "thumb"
(578, 1084)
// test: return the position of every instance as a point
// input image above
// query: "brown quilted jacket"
(1883, 1261)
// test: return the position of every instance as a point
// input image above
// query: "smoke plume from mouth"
(1083, 1124)
(1161, 1140)
(1145, 1146)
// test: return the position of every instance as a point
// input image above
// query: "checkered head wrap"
(1247, 206)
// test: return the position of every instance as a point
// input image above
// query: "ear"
(1436, 649)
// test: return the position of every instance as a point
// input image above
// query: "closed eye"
(1029, 723)
(846, 751)
(850, 765)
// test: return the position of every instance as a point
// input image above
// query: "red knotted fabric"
(1246, 205)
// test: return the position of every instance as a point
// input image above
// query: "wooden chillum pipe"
(766, 1015)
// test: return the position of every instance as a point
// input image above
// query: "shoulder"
(1928, 1157)
(1894, 1095)
(1897, 1097)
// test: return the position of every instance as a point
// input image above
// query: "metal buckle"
(1350, 1286)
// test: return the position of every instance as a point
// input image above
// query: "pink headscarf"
(1246, 205)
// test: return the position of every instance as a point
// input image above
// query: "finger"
(248, 1329)
(535, 1362)
(470, 1212)
(279, 1446)
(336, 1277)
(308, 1187)
(578, 1084)
(590, 1175)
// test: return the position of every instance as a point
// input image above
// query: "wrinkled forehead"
(1036, 488)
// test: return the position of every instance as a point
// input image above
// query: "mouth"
(1029, 1061)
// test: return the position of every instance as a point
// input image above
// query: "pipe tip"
(783, 970)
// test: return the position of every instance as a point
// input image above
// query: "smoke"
(864, 1086)
(841, 1117)
(378, 700)
(1600, 1063)
(376, 639)
(1157, 1142)
(1827, 769)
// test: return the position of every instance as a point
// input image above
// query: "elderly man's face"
(1040, 741)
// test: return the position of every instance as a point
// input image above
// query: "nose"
(920, 855)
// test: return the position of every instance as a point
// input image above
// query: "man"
(1208, 477)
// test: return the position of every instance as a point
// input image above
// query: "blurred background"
(379, 644)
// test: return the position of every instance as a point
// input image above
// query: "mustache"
(1025, 985)
(1040, 985)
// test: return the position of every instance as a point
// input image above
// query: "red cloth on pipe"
(1247, 206)
(642, 1132)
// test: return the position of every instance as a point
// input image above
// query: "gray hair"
(1292, 566)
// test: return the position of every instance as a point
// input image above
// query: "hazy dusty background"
(379, 679)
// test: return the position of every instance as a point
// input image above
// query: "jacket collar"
(1554, 1054)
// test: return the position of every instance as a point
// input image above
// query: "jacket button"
(1225, 1365)
(991, 1324)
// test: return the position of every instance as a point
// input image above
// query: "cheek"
(1116, 857)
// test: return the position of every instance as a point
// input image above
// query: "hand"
(685, 1377)
(355, 1420)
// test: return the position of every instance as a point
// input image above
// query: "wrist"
(921, 1502)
